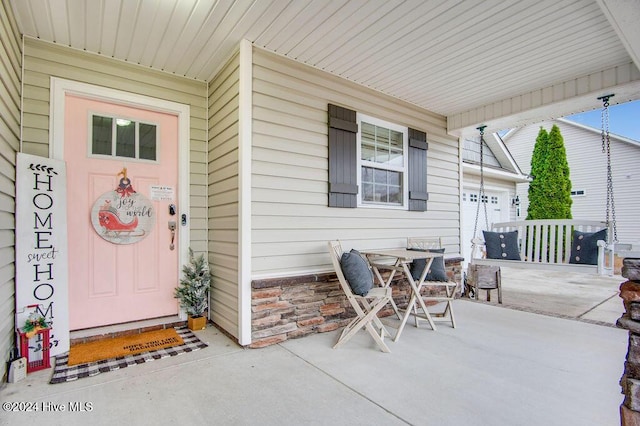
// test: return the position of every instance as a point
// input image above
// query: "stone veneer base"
(293, 307)
(630, 320)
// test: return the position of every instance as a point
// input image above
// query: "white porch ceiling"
(457, 58)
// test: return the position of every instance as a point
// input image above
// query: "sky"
(624, 119)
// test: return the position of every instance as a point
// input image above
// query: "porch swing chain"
(481, 193)
(606, 148)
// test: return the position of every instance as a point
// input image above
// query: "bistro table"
(403, 258)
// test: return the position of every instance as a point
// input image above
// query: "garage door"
(497, 211)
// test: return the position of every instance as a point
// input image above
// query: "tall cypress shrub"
(536, 190)
(550, 189)
(557, 183)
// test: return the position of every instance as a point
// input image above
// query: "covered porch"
(257, 171)
(501, 365)
(254, 156)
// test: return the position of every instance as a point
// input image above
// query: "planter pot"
(197, 323)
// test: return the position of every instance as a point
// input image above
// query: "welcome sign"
(41, 247)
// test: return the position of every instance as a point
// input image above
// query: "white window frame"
(113, 138)
(363, 163)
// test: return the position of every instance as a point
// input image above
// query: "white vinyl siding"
(291, 220)
(10, 58)
(223, 196)
(587, 167)
(43, 60)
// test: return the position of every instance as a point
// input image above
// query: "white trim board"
(245, 130)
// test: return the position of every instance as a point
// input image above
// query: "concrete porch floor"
(499, 367)
(590, 298)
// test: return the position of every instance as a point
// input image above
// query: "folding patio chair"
(366, 307)
(435, 278)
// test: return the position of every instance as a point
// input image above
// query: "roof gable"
(597, 133)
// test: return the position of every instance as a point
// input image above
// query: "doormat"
(63, 372)
(84, 353)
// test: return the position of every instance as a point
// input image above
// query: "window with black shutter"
(374, 163)
(418, 147)
(343, 173)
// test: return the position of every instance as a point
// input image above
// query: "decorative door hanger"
(123, 216)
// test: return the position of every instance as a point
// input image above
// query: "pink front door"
(110, 282)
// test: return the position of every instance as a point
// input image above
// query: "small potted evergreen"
(193, 291)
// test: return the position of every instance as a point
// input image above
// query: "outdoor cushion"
(436, 272)
(584, 247)
(502, 245)
(357, 272)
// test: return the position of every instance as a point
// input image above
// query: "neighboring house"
(501, 175)
(588, 171)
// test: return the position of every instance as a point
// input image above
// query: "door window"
(119, 137)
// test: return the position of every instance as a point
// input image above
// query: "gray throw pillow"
(357, 272)
(502, 245)
(437, 272)
(584, 247)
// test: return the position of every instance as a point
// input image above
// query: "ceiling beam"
(569, 97)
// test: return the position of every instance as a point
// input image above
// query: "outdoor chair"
(366, 307)
(435, 279)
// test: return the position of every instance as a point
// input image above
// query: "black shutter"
(418, 194)
(343, 129)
